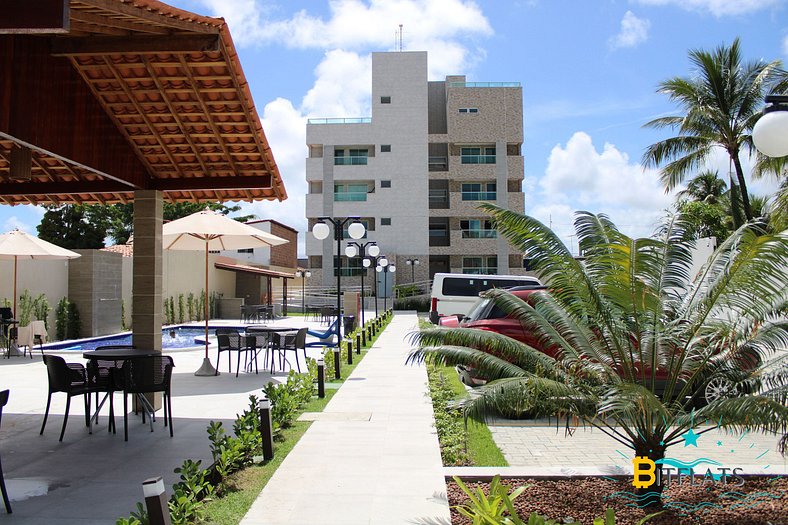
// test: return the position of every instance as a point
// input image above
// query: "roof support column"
(147, 276)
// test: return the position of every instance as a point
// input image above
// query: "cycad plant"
(632, 340)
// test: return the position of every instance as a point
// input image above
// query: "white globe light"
(392, 268)
(373, 250)
(367, 263)
(378, 268)
(383, 262)
(308, 273)
(770, 134)
(356, 230)
(320, 230)
(351, 251)
(416, 262)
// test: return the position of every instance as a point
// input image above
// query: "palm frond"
(487, 364)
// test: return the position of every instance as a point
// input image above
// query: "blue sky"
(589, 71)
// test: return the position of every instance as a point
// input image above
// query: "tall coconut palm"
(706, 186)
(633, 341)
(721, 102)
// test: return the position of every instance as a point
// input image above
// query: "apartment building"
(415, 171)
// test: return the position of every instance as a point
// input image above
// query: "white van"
(455, 293)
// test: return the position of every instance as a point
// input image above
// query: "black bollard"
(350, 351)
(364, 336)
(156, 501)
(358, 343)
(266, 428)
(336, 362)
(321, 378)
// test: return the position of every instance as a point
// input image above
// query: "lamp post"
(412, 263)
(770, 133)
(386, 268)
(374, 261)
(362, 249)
(303, 274)
(355, 230)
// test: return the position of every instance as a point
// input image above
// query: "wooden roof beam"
(117, 23)
(210, 183)
(40, 17)
(62, 188)
(120, 45)
(116, 7)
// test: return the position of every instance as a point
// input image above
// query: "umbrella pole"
(207, 368)
(15, 261)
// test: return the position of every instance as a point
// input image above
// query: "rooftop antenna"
(398, 39)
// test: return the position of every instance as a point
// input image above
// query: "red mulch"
(585, 499)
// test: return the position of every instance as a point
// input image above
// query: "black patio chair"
(228, 340)
(102, 374)
(292, 342)
(71, 379)
(146, 375)
(4, 402)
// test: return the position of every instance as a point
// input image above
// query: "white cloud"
(342, 86)
(14, 222)
(578, 177)
(717, 7)
(634, 31)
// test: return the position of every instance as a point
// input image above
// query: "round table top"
(119, 353)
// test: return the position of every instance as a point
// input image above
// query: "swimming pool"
(184, 337)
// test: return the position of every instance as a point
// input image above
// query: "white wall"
(36, 276)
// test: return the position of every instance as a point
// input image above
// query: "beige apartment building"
(415, 172)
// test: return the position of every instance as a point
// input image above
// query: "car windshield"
(485, 309)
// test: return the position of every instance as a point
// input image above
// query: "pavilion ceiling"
(171, 84)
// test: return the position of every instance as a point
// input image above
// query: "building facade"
(416, 170)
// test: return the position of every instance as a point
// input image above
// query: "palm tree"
(721, 103)
(706, 186)
(634, 342)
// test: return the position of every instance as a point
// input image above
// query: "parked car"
(453, 294)
(484, 315)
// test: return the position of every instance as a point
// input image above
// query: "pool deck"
(95, 479)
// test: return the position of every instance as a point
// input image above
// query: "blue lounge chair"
(327, 337)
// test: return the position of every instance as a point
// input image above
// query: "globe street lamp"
(770, 133)
(412, 263)
(303, 274)
(374, 261)
(362, 249)
(355, 230)
(386, 268)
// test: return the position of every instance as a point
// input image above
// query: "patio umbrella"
(17, 245)
(208, 230)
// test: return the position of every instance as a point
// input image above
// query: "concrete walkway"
(371, 457)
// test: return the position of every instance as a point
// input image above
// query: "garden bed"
(760, 501)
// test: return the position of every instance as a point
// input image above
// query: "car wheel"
(719, 388)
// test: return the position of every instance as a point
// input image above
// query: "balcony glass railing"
(479, 195)
(350, 161)
(438, 199)
(485, 84)
(438, 163)
(357, 120)
(350, 196)
(479, 234)
(477, 159)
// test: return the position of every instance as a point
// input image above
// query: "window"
(477, 229)
(477, 155)
(385, 100)
(350, 192)
(478, 191)
(385, 221)
(469, 110)
(351, 157)
(480, 265)
(246, 250)
(385, 184)
(350, 266)
(439, 232)
(385, 148)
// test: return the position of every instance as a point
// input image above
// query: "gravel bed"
(586, 499)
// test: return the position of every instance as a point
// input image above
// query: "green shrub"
(61, 319)
(41, 309)
(181, 308)
(190, 305)
(123, 325)
(25, 307)
(288, 397)
(73, 323)
(420, 304)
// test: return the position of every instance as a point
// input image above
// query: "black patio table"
(120, 355)
(277, 331)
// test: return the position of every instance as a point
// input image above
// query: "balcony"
(356, 120)
(350, 161)
(439, 199)
(477, 159)
(479, 195)
(438, 163)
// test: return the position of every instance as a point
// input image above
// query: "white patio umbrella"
(208, 230)
(17, 245)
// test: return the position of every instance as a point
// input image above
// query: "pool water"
(184, 337)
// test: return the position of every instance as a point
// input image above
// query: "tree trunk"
(745, 198)
(651, 497)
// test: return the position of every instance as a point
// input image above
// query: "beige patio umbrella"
(207, 230)
(17, 245)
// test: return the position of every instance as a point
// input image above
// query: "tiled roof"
(173, 85)
(126, 250)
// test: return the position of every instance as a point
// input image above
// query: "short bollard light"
(156, 501)
(350, 351)
(364, 335)
(336, 362)
(266, 428)
(358, 344)
(321, 378)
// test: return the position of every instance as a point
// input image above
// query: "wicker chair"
(71, 379)
(145, 375)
